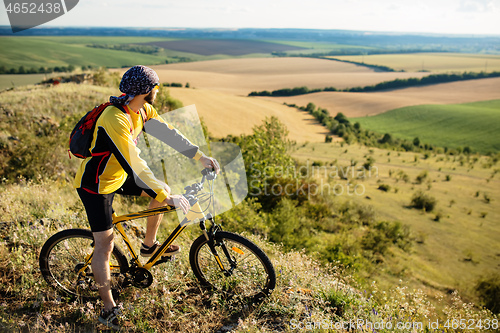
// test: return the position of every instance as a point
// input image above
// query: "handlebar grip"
(209, 173)
(205, 171)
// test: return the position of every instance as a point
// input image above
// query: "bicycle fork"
(210, 236)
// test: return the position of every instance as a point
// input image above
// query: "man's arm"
(116, 130)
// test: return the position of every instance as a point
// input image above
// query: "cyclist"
(116, 167)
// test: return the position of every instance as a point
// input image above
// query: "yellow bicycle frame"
(194, 214)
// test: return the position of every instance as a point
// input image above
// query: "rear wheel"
(247, 271)
(65, 263)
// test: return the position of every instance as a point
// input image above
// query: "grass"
(418, 287)
(227, 114)
(432, 62)
(44, 51)
(476, 125)
(439, 259)
(52, 51)
(320, 47)
(307, 292)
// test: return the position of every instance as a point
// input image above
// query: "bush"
(488, 289)
(384, 187)
(420, 200)
(422, 177)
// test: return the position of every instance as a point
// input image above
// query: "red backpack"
(83, 133)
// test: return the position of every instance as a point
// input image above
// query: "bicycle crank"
(141, 277)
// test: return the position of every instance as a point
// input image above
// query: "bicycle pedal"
(165, 259)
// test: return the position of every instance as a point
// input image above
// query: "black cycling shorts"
(99, 207)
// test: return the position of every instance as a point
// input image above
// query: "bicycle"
(220, 260)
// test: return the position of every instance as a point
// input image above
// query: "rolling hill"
(476, 125)
(226, 114)
(369, 104)
(432, 62)
(242, 76)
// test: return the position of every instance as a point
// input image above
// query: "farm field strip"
(476, 125)
(233, 47)
(242, 76)
(368, 104)
(226, 114)
(431, 62)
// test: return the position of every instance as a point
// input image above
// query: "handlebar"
(209, 173)
(191, 190)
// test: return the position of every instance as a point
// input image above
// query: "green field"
(476, 125)
(61, 51)
(36, 52)
(42, 51)
(431, 62)
(322, 47)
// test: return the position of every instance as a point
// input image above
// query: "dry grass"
(368, 104)
(452, 252)
(226, 114)
(307, 292)
(242, 76)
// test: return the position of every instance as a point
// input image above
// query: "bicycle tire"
(63, 255)
(253, 276)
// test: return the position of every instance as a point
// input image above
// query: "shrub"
(287, 225)
(420, 200)
(387, 138)
(403, 176)
(368, 163)
(384, 187)
(488, 290)
(421, 177)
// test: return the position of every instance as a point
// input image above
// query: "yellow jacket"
(114, 152)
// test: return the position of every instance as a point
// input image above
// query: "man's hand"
(179, 201)
(210, 162)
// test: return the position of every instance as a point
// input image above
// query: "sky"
(418, 16)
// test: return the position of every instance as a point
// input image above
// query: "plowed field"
(234, 47)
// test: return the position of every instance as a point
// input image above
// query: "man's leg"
(100, 266)
(153, 223)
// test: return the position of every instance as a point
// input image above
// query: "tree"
(386, 139)
(341, 118)
(265, 152)
(310, 107)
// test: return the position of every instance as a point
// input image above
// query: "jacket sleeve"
(166, 133)
(117, 132)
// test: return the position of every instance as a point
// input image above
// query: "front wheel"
(65, 263)
(246, 270)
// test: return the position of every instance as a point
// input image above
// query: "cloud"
(478, 6)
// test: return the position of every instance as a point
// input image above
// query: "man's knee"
(104, 241)
(156, 204)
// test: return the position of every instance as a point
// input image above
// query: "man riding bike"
(116, 167)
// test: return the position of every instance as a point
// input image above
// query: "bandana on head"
(138, 80)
